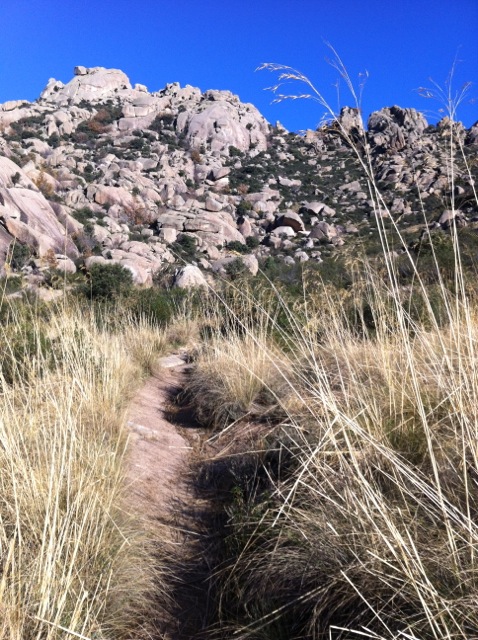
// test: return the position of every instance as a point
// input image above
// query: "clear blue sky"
(218, 45)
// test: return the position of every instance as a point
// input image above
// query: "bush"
(20, 256)
(12, 284)
(234, 152)
(45, 187)
(196, 156)
(162, 120)
(157, 305)
(137, 144)
(83, 215)
(238, 247)
(252, 242)
(23, 345)
(54, 140)
(107, 281)
(184, 247)
(236, 268)
(243, 208)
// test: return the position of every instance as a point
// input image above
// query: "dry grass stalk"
(72, 561)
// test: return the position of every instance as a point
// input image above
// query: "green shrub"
(252, 242)
(159, 305)
(162, 120)
(236, 268)
(54, 140)
(184, 247)
(234, 151)
(20, 256)
(243, 207)
(23, 344)
(238, 247)
(107, 281)
(137, 144)
(11, 284)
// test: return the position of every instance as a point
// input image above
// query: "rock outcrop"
(97, 170)
(91, 85)
(190, 277)
(394, 128)
(26, 216)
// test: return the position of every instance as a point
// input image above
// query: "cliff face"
(99, 171)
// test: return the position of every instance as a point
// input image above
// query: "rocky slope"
(96, 170)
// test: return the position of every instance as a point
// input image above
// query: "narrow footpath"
(179, 480)
(158, 453)
(159, 489)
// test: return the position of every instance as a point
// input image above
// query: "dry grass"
(373, 528)
(239, 371)
(73, 564)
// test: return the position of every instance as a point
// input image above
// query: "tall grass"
(371, 526)
(72, 562)
(372, 531)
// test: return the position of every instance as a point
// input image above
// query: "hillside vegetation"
(98, 172)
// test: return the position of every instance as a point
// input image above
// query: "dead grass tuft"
(73, 562)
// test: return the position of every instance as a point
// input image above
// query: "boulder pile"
(98, 170)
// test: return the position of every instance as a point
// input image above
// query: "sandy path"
(157, 485)
(158, 453)
(160, 493)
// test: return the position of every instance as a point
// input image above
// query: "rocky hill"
(99, 171)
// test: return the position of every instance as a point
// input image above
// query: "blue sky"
(218, 45)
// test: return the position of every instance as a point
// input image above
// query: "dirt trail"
(177, 479)
(159, 488)
(158, 453)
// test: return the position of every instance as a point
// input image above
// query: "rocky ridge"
(97, 170)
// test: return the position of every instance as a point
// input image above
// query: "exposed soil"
(179, 477)
(158, 453)
(178, 515)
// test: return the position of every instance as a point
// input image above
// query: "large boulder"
(102, 195)
(290, 219)
(394, 128)
(324, 231)
(248, 261)
(317, 208)
(189, 277)
(223, 122)
(92, 85)
(350, 123)
(28, 217)
(12, 175)
(449, 217)
(141, 270)
(472, 135)
(214, 228)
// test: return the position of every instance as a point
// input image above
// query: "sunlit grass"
(370, 528)
(72, 560)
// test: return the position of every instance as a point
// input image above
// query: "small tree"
(107, 281)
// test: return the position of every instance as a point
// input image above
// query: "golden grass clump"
(363, 520)
(370, 524)
(72, 563)
(239, 373)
